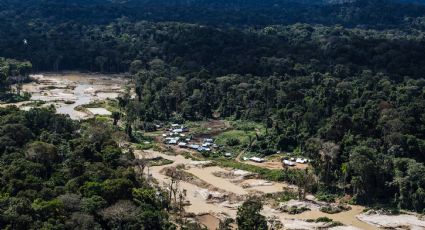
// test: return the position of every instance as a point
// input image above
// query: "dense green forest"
(58, 174)
(363, 13)
(342, 83)
(365, 131)
(273, 49)
(13, 72)
(107, 37)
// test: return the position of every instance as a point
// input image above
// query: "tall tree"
(249, 217)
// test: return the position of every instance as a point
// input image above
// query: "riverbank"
(215, 188)
(69, 90)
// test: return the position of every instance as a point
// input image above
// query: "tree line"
(377, 14)
(296, 49)
(351, 99)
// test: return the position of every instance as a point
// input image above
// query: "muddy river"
(67, 91)
(210, 211)
(200, 206)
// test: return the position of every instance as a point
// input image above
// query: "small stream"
(82, 99)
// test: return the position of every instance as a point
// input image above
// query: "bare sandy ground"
(393, 221)
(348, 218)
(200, 206)
(69, 90)
(99, 111)
(206, 174)
(210, 221)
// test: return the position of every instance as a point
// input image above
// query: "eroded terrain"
(68, 91)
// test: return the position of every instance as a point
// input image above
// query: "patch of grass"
(267, 174)
(326, 197)
(335, 224)
(235, 138)
(153, 134)
(146, 145)
(102, 118)
(288, 195)
(247, 126)
(293, 210)
(109, 104)
(157, 148)
(37, 103)
(160, 162)
(196, 127)
(189, 155)
(331, 224)
(324, 219)
(334, 209)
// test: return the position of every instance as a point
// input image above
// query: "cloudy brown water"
(201, 206)
(206, 174)
(78, 88)
(348, 217)
(198, 204)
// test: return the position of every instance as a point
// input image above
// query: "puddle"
(199, 205)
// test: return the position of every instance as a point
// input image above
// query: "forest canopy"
(341, 82)
(58, 174)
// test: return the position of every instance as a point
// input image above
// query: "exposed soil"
(213, 128)
(69, 90)
(240, 184)
(348, 217)
(393, 221)
(209, 221)
(200, 205)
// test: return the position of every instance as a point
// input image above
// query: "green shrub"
(160, 162)
(324, 219)
(335, 224)
(334, 209)
(288, 195)
(246, 125)
(267, 174)
(233, 142)
(295, 210)
(326, 197)
(146, 146)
